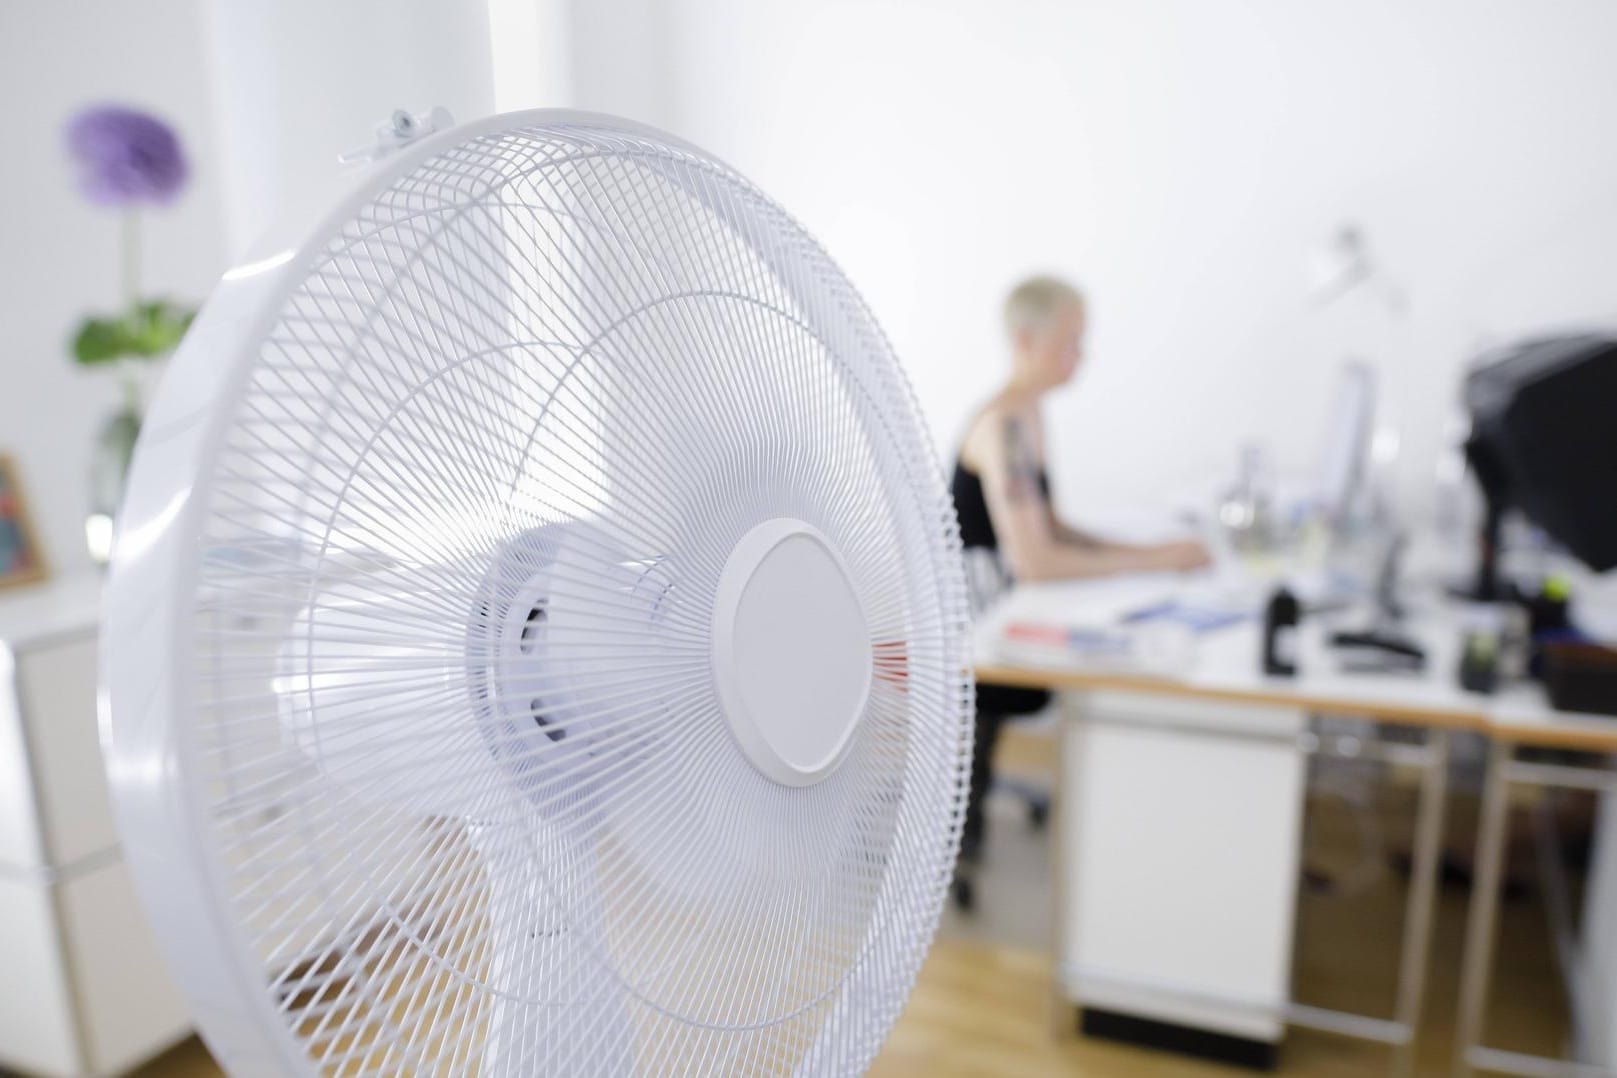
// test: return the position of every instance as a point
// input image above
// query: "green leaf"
(100, 340)
(149, 330)
(156, 328)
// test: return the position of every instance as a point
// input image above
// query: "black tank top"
(977, 531)
(971, 506)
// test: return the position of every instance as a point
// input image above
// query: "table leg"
(1060, 1012)
(1415, 952)
(1476, 964)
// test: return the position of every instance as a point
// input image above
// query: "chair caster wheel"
(1038, 814)
(962, 894)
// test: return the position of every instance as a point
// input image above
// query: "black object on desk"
(1543, 442)
(1479, 662)
(1580, 676)
(1380, 650)
(1280, 620)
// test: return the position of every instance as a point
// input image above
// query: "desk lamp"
(1343, 271)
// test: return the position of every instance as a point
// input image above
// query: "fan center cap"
(791, 651)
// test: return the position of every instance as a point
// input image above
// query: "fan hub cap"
(791, 651)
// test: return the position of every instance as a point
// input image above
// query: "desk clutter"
(1218, 625)
(1147, 625)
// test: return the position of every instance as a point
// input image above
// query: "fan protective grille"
(473, 798)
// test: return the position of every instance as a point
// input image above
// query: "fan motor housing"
(791, 651)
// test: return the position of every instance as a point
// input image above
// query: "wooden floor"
(980, 1011)
(981, 1008)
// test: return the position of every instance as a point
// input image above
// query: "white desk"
(1160, 768)
(1226, 661)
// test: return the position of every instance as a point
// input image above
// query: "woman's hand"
(1184, 556)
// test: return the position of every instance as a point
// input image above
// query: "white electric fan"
(537, 640)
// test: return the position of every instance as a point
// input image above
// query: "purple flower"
(126, 157)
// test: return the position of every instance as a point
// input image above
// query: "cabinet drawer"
(57, 689)
(37, 1034)
(20, 845)
(128, 1006)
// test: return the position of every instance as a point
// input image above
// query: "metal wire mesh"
(476, 805)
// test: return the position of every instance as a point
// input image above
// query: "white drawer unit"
(84, 991)
(1181, 848)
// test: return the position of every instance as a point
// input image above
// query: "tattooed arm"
(1036, 545)
(1076, 536)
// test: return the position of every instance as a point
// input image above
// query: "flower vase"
(109, 472)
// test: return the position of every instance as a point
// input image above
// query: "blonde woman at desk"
(1008, 525)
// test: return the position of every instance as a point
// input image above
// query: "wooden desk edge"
(1405, 714)
(1556, 736)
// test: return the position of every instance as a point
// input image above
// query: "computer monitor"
(1344, 459)
(1544, 442)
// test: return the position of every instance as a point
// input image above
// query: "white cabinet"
(37, 1028)
(56, 686)
(84, 992)
(1180, 847)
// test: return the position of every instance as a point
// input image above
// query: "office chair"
(996, 704)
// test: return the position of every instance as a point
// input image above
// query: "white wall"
(297, 82)
(1181, 160)
(59, 254)
(1178, 158)
(264, 97)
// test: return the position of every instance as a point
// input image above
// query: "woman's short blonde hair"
(1036, 300)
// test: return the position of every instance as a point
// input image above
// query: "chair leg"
(1036, 799)
(982, 772)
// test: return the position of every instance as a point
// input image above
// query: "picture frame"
(22, 561)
